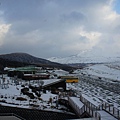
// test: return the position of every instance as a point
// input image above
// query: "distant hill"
(87, 56)
(23, 59)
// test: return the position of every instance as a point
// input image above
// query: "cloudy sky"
(47, 28)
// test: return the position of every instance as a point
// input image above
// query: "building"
(28, 73)
(70, 79)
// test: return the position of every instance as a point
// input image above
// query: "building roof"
(29, 68)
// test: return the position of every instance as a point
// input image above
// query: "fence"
(91, 108)
(111, 109)
(87, 107)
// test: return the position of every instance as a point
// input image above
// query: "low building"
(70, 79)
(35, 76)
(54, 84)
(28, 73)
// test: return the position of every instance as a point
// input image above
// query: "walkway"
(106, 116)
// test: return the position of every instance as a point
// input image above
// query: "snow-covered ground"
(59, 72)
(111, 71)
(9, 92)
(100, 82)
(79, 59)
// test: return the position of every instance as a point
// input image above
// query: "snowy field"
(104, 70)
(10, 91)
(100, 82)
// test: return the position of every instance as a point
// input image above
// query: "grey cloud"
(73, 17)
(45, 27)
(83, 39)
(21, 9)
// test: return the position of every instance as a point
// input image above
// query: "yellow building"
(70, 79)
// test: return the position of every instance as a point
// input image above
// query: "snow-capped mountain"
(87, 56)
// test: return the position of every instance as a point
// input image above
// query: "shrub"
(24, 90)
(3, 101)
(1, 96)
(35, 105)
(38, 94)
(40, 99)
(22, 85)
(31, 87)
(30, 95)
(21, 99)
(34, 90)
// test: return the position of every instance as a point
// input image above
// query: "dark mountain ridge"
(23, 59)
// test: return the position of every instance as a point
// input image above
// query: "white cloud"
(109, 14)
(4, 28)
(92, 36)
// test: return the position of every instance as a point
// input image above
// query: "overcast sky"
(47, 28)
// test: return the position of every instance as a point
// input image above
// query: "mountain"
(86, 57)
(22, 59)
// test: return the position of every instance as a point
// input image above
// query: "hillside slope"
(108, 70)
(86, 57)
(22, 59)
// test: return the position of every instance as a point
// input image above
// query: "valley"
(98, 83)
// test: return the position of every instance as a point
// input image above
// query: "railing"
(91, 108)
(111, 109)
(89, 104)
(87, 107)
(93, 112)
(12, 114)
